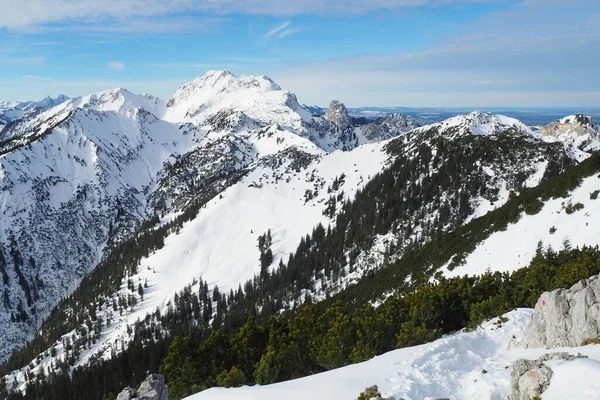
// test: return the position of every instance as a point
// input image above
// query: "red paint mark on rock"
(543, 302)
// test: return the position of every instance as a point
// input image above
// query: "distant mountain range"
(529, 116)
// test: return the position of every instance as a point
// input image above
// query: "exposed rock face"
(127, 394)
(338, 114)
(530, 378)
(579, 133)
(153, 388)
(573, 125)
(565, 317)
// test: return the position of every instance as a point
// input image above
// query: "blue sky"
(432, 53)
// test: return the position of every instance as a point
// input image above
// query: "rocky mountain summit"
(338, 114)
(579, 133)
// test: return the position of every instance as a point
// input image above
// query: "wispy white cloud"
(277, 29)
(288, 32)
(117, 66)
(281, 31)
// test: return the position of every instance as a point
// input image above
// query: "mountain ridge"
(212, 156)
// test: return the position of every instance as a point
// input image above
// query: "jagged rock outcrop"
(530, 378)
(565, 317)
(579, 133)
(153, 388)
(573, 125)
(127, 394)
(338, 114)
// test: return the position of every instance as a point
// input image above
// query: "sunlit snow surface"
(451, 367)
(515, 247)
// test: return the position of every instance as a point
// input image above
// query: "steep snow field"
(451, 367)
(515, 247)
(220, 244)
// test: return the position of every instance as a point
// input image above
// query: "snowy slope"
(94, 167)
(515, 247)
(451, 367)
(272, 197)
(285, 191)
(65, 195)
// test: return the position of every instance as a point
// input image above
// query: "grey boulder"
(565, 317)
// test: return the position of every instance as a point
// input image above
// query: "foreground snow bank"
(465, 365)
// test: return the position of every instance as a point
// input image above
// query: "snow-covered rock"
(338, 114)
(127, 394)
(531, 378)
(579, 133)
(565, 317)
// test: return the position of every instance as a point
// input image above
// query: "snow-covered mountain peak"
(478, 123)
(338, 114)
(257, 97)
(48, 102)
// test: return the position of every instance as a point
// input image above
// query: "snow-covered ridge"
(478, 123)
(119, 99)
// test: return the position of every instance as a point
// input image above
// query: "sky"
(414, 53)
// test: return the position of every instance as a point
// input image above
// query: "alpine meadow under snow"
(230, 183)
